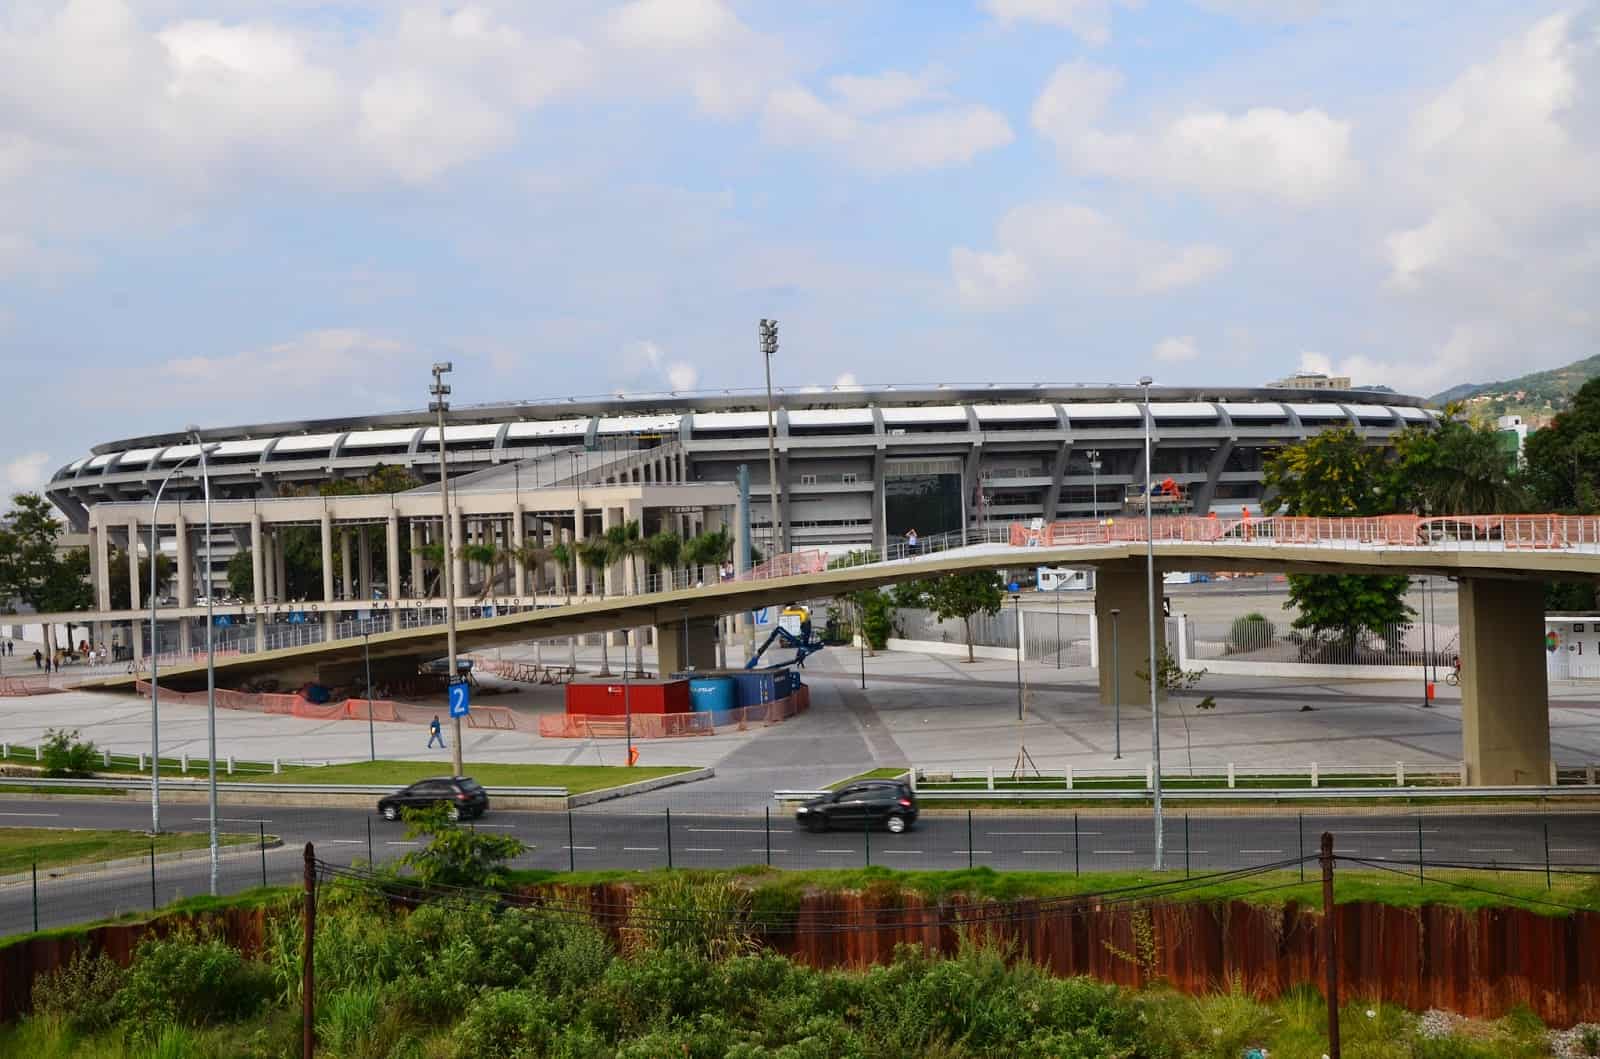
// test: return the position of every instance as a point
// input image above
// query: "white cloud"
(1300, 157)
(644, 365)
(25, 473)
(1088, 19)
(1497, 184)
(846, 381)
(1175, 349)
(865, 124)
(309, 364)
(698, 45)
(1045, 245)
(674, 23)
(1265, 10)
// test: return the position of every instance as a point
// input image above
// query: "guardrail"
(1250, 794)
(177, 784)
(1230, 774)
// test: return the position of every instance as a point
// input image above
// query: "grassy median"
(60, 847)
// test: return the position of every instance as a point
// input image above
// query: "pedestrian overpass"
(1501, 563)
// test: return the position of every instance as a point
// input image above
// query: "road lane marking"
(1569, 849)
(917, 852)
(1042, 852)
(703, 849)
(1406, 831)
(1037, 834)
(1261, 851)
(344, 842)
(972, 851)
(1411, 849)
(30, 814)
(641, 849)
(1499, 849)
(402, 843)
(838, 851)
(581, 849)
(763, 849)
(1109, 852)
(230, 820)
(729, 830)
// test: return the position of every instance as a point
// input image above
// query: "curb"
(176, 856)
(627, 789)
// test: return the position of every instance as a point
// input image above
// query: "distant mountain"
(1538, 391)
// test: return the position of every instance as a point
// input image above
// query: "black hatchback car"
(464, 795)
(891, 803)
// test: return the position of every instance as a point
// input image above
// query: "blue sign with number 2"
(460, 701)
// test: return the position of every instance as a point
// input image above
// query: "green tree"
(1335, 474)
(666, 552)
(453, 855)
(1451, 468)
(242, 575)
(565, 556)
(32, 568)
(958, 596)
(121, 593)
(1563, 459)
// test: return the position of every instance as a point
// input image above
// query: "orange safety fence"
(670, 725)
(493, 717)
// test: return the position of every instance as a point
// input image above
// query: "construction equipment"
(794, 631)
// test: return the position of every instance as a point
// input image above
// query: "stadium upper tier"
(1009, 451)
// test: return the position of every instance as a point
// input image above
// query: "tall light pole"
(366, 653)
(1116, 687)
(155, 654)
(211, 665)
(1016, 599)
(1150, 603)
(1094, 489)
(440, 390)
(769, 349)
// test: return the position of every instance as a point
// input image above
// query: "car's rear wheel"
(390, 813)
(896, 823)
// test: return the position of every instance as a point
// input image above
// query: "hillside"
(1539, 393)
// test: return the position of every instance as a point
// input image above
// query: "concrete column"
(575, 540)
(345, 548)
(100, 565)
(1505, 704)
(519, 537)
(135, 601)
(674, 656)
(185, 557)
(607, 520)
(269, 576)
(258, 587)
(1123, 586)
(327, 558)
(391, 544)
(364, 549)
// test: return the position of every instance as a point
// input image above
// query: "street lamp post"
(1116, 688)
(1094, 488)
(861, 639)
(1150, 603)
(155, 655)
(1057, 594)
(1016, 600)
(440, 390)
(769, 349)
(211, 666)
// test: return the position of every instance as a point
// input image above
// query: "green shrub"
(65, 754)
(82, 992)
(188, 981)
(348, 1019)
(507, 1025)
(455, 855)
(706, 919)
(1251, 632)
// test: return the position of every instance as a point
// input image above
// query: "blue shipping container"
(765, 685)
(712, 693)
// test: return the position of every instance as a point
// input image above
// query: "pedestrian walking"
(38, 658)
(435, 732)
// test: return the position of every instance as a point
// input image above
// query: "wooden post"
(1329, 953)
(308, 1003)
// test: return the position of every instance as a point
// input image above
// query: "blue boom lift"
(794, 631)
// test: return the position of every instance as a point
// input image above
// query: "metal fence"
(1045, 633)
(1258, 638)
(718, 830)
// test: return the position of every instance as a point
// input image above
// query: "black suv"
(891, 803)
(465, 797)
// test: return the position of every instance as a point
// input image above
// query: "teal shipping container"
(712, 693)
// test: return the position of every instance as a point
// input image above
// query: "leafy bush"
(189, 981)
(455, 855)
(1251, 632)
(82, 992)
(507, 1025)
(66, 755)
(709, 920)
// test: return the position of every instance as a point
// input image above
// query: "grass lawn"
(58, 847)
(576, 778)
(870, 774)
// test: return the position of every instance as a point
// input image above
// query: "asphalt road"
(1032, 840)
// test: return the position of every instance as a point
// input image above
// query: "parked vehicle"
(465, 797)
(865, 803)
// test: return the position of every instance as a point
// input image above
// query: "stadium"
(857, 466)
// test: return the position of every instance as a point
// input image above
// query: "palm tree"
(666, 552)
(564, 555)
(595, 552)
(628, 544)
(709, 549)
(531, 557)
(484, 555)
(433, 556)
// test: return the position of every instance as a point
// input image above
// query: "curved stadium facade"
(856, 466)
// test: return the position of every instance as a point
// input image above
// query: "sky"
(215, 212)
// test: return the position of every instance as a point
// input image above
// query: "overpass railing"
(1486, 533)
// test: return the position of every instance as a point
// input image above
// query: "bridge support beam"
(1505, 704)
(674, 655)
(1123, 587)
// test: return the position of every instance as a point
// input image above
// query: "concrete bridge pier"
(1122, 586)
(1505, 703)
(675, 655)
